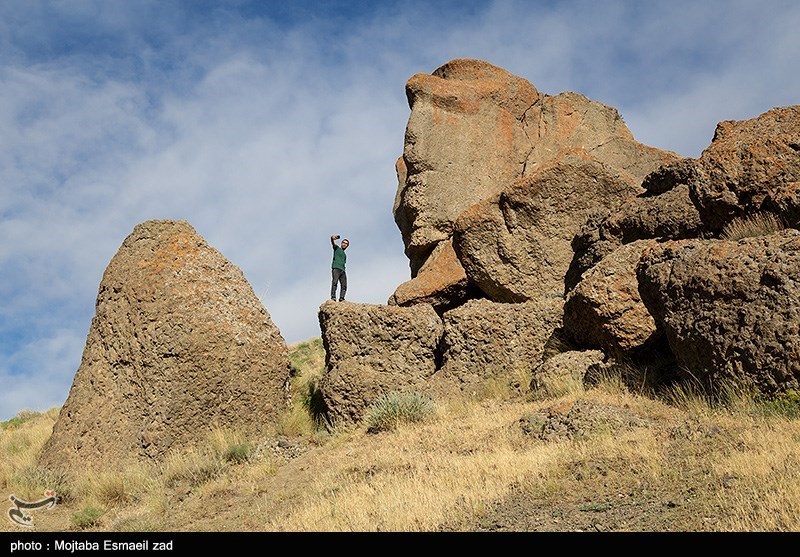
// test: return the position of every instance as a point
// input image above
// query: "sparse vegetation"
(307, 412)
(727, 460)
(394, 408)
(86, 518)
(21, 417)
(758, 224)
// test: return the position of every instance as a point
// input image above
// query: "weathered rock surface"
(475, 128)
(179, 344)
(747, 163)
(441, 282)
(730, 310)
(517, 246)
(750, 166)
(671, 215)
(371, 350)
(560, 373)
(605, 309)
(570, 120)
(485, 340)
(464, 140)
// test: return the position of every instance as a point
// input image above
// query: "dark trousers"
(339, 277)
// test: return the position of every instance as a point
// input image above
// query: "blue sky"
(271, 125)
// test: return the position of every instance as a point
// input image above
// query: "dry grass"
(698, 463)
(420, 476)
(758, 224)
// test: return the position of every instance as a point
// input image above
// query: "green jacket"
(339, 258)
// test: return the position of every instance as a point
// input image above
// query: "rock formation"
(517, 246)
(371, 350)
(730, 310)
(671, 215)
(441, 282)
(475, 128)
(747, 165)
(564, 371)
(179, 344)
(605, 309)
(464, 142)
(485, 340)
(509, 201)
(751, 166)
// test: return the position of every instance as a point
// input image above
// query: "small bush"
(32, 482)
(238, 453)
(111, 489)
(758, 224)
(395, 408)
(229, 445)
(785, 404)
(296, 422)
(86, 518)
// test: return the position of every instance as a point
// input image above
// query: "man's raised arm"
(333, 240)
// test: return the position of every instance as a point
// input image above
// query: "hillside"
(601, 458)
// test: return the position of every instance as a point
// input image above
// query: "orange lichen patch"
(560, 408)
(465, 85)
(172, 256)
(505, 126)
(567, 119)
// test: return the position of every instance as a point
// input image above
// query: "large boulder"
(671, 215)
(748, 163)
(475, 128)
(750, 166)
(730, 310)
(464, 140)
(605, 309)
(571, 120)
(517, 246)
(371, 350)
(179, 344)
(441, 282)
(484, 340)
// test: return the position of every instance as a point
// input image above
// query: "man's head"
(345, 243)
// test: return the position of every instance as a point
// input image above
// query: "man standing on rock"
(337, 268)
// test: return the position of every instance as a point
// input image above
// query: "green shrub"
(758, 224)
(786, 404)
(21, 417)
(396, 408)
(238, 453)
(86, 518)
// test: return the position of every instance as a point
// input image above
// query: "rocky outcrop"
(179, 344)
(750, 166)
(475, 128)
(464, 140)
(570, 120)
(484, 340)
(371, 350)
(517, 246)
(441, 282)
(605, 309)
(730, 310)
(671, 215)
(564, 372)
